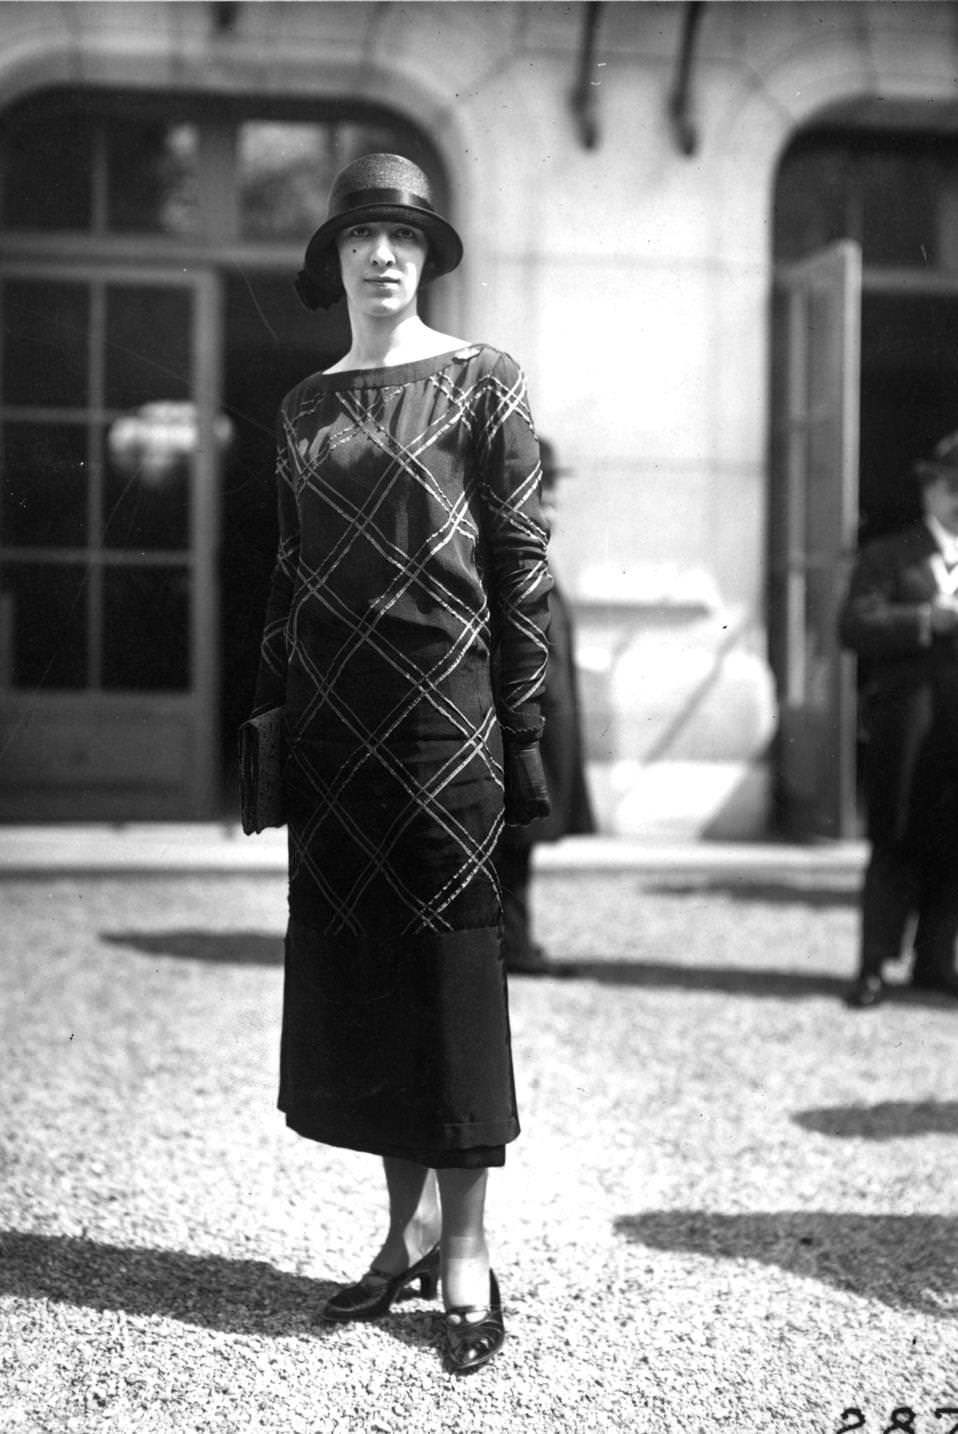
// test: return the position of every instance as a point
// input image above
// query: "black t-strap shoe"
(377, 1290)
(471, 1343)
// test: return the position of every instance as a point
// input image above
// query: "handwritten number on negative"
(902, 1419)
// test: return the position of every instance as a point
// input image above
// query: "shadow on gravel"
(737, 981)
(233, 1296)
(905, 1261)
(761, 893)
(235, 948)
(728, 980)
(888, 1120)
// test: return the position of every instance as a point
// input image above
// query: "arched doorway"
(149, 330)
(887, 201)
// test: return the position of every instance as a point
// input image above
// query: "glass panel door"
(107, 524)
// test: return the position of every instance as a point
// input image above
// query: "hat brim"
(445, 246)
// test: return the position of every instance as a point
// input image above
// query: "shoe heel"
(425, 1274)
(429, 1284)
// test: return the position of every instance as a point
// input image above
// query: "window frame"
(218, 120)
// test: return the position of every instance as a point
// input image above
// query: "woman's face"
(381, 264)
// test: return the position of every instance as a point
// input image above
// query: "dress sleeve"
(515, 538)
(271, 678)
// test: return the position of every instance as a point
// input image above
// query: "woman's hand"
(527, 796)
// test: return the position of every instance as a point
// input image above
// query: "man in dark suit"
(562, 758)
(901, 617)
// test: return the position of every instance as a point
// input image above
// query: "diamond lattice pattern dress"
(411, 565)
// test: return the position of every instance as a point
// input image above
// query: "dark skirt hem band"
(470, 1157)
(401, 1047)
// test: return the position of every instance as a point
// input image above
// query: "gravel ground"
(732, 1205)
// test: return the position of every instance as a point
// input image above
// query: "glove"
(527, 796)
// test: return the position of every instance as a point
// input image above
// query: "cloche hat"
(943, 462)
(375, 186)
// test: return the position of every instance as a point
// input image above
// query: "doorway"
(909, 398)
(889, 197)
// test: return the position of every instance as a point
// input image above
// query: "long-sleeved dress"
(411, 550)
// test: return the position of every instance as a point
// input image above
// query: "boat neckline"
(395, 374)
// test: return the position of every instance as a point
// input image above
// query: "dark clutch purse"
(262, 763)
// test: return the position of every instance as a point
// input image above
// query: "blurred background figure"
(562, 756)
(901, 617)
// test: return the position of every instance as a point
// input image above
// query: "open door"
(814, 528)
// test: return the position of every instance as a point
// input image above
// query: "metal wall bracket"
(685, 130)
(585, 96)
(225, 16)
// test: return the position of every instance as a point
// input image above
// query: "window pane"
(46, 328)
(47, 170)
(895, 194)
(899, 205)
(44, 486)
(152, 184)
(43, 606)
(147, 467)
(285, 171)
(146, 642)
(948, 215)
(148, 340)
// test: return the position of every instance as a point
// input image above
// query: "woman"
(411, 568)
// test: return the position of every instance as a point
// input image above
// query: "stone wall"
(632, 280)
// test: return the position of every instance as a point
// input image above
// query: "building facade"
(721, 238)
